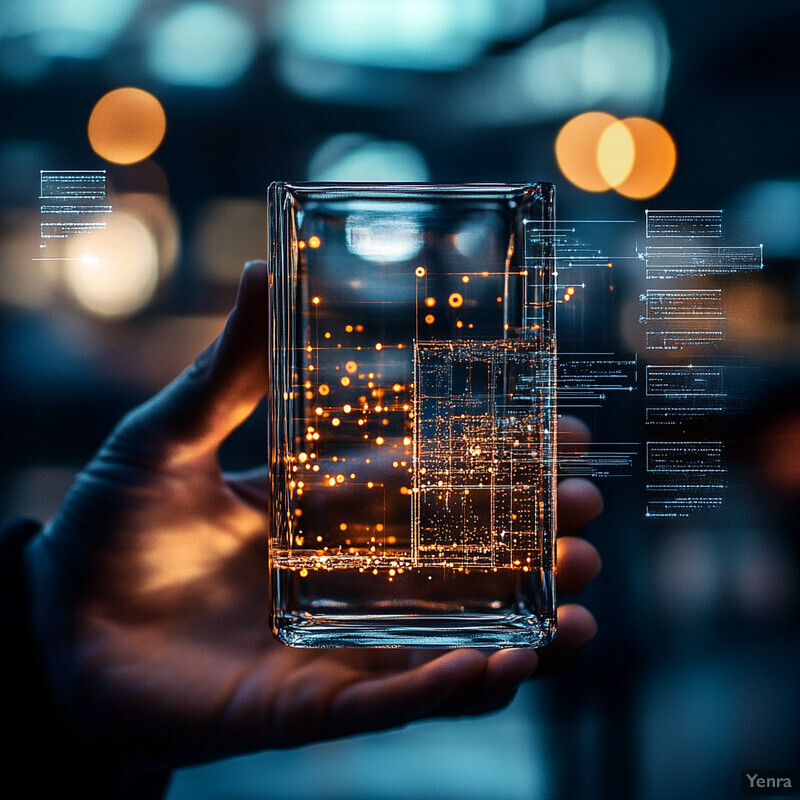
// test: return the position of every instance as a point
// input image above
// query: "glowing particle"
(340, 479)
(331, 481)
(420, 272)
(345, 381)
(571, 291)
(379, 440)
(314, 242)
(351, 367)
(315, 301)
(379, 346)
(370, 484)
(429, 318)
(324, 389)
(459, 324)
(327, 334)
(347, 408)
(318, 411)
(397, 387)
(407, 440)
(465, 279)
(343, 526)
(301, 245)
(335, 422)
(303, 572)
(302, 457)
(430, 302)
(348, 328)
(456, 300)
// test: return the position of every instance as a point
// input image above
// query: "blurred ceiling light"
(768, 212)
(202, 44)
(576, 150)
(114, 272)
(359, 157)
(67, 28)
(404, 34)
(635, 156)
(618, 57)
(126, 125)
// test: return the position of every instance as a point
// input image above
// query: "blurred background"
(693, 675)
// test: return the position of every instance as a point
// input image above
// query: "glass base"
(471, 630)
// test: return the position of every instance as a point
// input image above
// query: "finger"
(576, 626)
(578, 563)
(198, 410)
(578, 502)
(397, 699)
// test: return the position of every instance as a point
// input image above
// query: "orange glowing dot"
(335, 422)
(342, 526)
(359, 328)
(400, 346)
(576, 150)
(571, 290)
(430, 302)
(456, 300)
(126, 125)
(609, 265)
(315, 300)
(301, 245)
(407, 440)
(505, 326)
(318, 411)
(370, 484)
(327, 335)
(379, 346)
(379, 440)
(301, 457)
(303, 572)
(345, 381)
(465, 278)
(314, 242)
(324, 389)
(420, 272)
(331, 481)
(348, 328)
(340, 479)
(397, 387)
(351, 367)
(347, 408)
(566, 298)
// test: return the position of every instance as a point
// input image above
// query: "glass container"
(412, 414)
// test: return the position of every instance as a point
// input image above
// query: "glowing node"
(420, 272)
(351, 367)
(379, 346)
(126, 125)
(345, 381)
(315, 301)
(430, 302)
(314, 242)
(429, 318)
(456, 300)
(324, 389)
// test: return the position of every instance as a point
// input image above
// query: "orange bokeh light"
(635, 156)
(126, 125)
(654, 162)
(576, 150)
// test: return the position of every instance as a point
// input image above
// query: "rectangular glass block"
(412, 414)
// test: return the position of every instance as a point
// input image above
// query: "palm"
(151, 596)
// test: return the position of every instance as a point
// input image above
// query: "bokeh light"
(202, 44)
(126, 125)
(113, 273)
(635, 156)
(576, 150)
(654, 162)
(360, 157)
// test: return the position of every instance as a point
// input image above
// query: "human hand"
(150, 591)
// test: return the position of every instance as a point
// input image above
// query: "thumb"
(194, 414)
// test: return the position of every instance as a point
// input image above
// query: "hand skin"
(149, 591)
